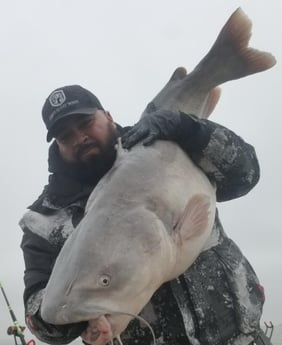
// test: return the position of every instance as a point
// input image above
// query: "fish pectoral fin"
(213, 98)
(195, 217)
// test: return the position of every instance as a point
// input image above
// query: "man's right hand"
(54, 334)
(97, 332)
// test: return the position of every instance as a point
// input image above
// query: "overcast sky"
(125, 51)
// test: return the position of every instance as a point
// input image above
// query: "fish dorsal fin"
(178, 74)
(211, 102)
(194, 219)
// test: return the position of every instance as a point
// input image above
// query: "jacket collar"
(67, 186)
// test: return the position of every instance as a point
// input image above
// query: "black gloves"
(54, 334)
(186, 130)
(161, 124)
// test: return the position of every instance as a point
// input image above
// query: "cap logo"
(57, 98)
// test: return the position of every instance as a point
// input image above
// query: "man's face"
(86, 138)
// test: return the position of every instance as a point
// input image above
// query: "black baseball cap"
(65, 101)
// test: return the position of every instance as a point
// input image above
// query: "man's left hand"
(162, 124)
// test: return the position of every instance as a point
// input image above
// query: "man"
(219, 299)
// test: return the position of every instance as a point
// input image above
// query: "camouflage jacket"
(216, 301)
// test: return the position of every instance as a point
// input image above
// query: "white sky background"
(125, 51)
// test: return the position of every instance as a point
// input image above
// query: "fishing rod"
(17, 330)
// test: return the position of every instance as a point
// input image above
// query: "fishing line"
(140, 318)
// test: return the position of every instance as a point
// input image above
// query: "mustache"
(85, 146)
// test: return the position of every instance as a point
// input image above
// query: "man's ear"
(109, 116)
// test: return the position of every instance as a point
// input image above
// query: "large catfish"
(152, 213)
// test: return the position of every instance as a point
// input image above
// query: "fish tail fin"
(229, 58)
(230, 55)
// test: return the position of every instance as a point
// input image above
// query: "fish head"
(107, 271)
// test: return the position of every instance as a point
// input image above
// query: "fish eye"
(105, 280)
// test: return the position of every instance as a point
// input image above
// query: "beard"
(105, 153)
(93, 167)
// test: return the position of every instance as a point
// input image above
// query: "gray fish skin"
(152, 213)
(133, 233)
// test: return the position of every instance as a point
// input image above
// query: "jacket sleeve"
(39, 257)
(224, 157)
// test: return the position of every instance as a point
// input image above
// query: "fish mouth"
(98, 331)
(116, 322)
(104, 328)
